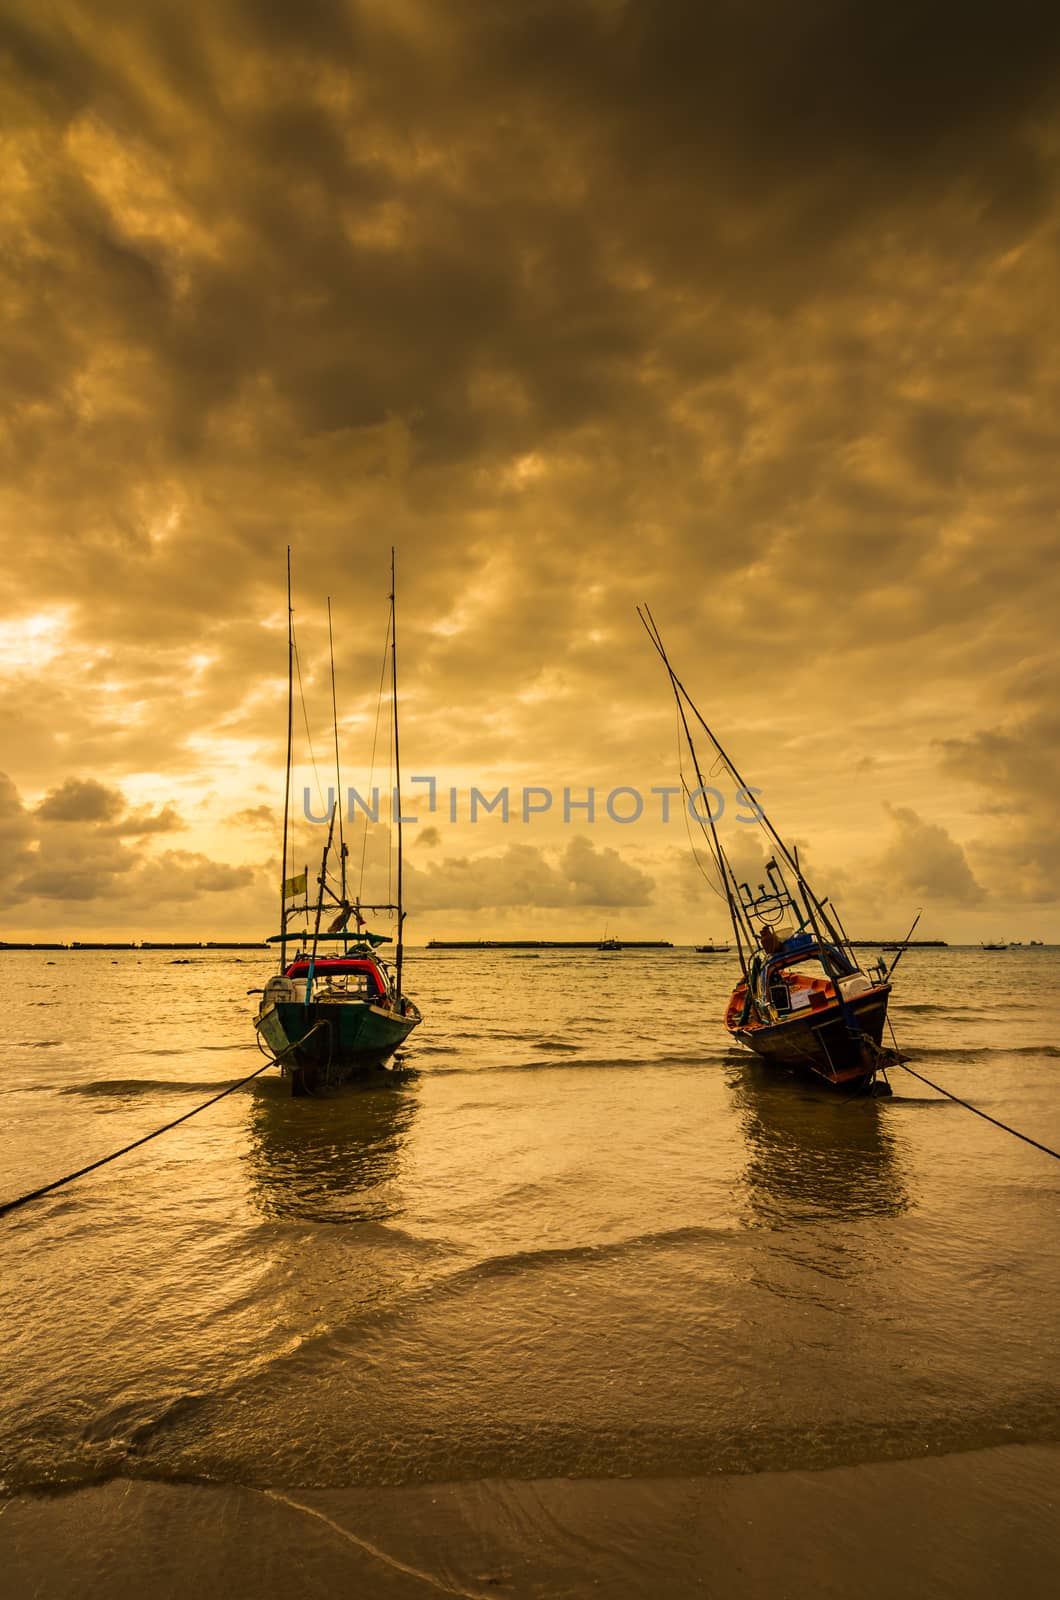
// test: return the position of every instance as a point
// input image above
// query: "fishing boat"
(328, 1016)
(609, 944)
(997, 944)
(803, 1000)
(712, 949)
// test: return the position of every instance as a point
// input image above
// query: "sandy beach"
(980, 1524)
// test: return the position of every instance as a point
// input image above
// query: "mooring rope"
(985, 1115)
(898, 1060)
(47, 1188)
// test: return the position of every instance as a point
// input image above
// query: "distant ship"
(712, 949)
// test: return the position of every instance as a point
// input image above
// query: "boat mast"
(791, 859)
(287, 779)
(397, 771)
(338, 774)
(719, 854)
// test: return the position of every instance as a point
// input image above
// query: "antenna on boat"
(338, 774)
(397, 772)
(719, 855)
(287, 779)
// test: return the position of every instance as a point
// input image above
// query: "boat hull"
(324, 1043)
(820, 1041)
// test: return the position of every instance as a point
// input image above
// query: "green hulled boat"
(326, 1018)
(331, 1019)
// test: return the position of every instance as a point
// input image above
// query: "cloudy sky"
(745, 310)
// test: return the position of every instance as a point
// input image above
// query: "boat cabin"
(792, 976)
(355, 977)
(797, 974)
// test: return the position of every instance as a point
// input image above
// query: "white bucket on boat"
(856, 984)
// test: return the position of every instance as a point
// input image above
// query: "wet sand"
(978, 1524)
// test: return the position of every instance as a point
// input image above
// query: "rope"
(325, 1022)
(35, 1194)
(985, 1116)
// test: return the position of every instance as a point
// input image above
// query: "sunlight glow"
(32, 642)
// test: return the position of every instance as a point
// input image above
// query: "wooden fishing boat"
(326, 1018)
(713, 949)
(330, 1018)
(803, 1000)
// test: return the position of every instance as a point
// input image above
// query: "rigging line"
(371, 768)
(36, 1194)
(695, 853)
(707, 876)
(305, 716)
(724, 867)
(684, 807)
(975, 1109)
(678, 686)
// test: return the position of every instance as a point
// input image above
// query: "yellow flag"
(293, 886)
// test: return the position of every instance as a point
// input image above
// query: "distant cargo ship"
(546, 944)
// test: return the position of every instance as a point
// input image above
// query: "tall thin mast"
(789, 857)
(338, 774)
(287, 779)
(718, 853)
(397, 769)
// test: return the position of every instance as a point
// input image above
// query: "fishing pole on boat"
(905, 943)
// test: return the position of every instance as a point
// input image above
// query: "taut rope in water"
(985, 1115)
(36, 1194)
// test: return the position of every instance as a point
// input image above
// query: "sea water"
(577, 1238)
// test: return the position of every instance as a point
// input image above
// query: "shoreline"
(973, 1525)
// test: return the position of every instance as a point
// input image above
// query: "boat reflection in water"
(811, 1156)
(338, 1159)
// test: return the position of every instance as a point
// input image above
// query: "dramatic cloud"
(16, 832)
(524, 876)
(82, 800)
(746, 310)
(85, 800)
(258, 817)
(70, 851)
(925, 863)
(1017, 768)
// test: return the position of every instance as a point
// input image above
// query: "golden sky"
(745, 310)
